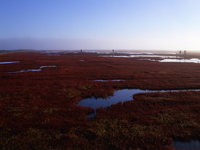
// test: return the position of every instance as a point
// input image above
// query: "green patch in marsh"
(72, 92)
(165, 72)
(85, 87)
(33, 138)
(121, 134)
(164, 118)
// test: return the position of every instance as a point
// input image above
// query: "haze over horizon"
(100, 24)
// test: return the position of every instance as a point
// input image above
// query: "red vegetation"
(39, 109)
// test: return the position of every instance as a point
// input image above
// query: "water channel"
(9, 62)
(28, 70)
(127, 95)
(119, 95)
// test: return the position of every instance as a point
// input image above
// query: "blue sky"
(100, 24)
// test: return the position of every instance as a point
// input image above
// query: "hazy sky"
(100, 24)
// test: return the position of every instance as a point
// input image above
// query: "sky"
(100, 24)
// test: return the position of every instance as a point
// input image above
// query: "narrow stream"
(28, 70)
(9, 62)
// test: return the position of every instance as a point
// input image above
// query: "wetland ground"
(39, 108)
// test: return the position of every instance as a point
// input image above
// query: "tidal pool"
(9, 62)
(119, 95)
(193, 144)
(28, 70)
(165, 58)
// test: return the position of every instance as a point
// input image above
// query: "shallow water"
(165, 58)
(136, 53)
(193, 60)
(9, 62)
(127, 95)
(193, 144)
(48, 66)
(120, 95)
(159, 56)
(25, 70)
(29, 70)
(141, 55)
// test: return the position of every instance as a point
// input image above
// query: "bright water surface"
(135, 53)
(120, 95)
(138, 55)
(193, 60)
(28, 70)
(164, 57)
(9, 62)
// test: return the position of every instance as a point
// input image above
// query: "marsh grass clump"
(172, 118)
(50, 110)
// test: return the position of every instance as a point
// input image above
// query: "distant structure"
(184, 52)
(179, 52)
(81, 51)
(113, 51)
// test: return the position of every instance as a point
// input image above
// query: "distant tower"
(179, 52)
(81, 51)
(184, 52)
(113, 51)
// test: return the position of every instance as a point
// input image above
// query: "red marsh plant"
(39, 109)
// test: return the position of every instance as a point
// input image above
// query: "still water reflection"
(193, 144)
(193, 60)
(28, 70)
(9, 62)
(120, 95)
